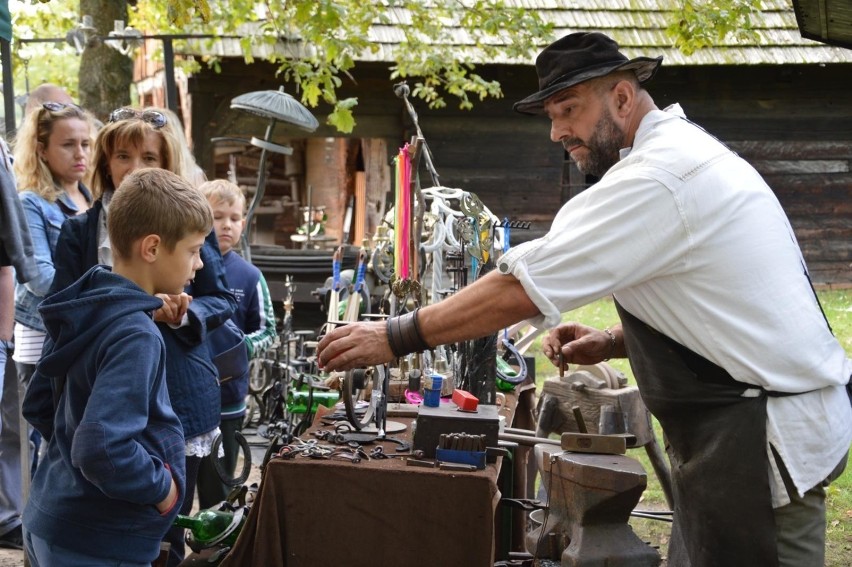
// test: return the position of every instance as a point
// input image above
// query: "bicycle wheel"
(259, 376)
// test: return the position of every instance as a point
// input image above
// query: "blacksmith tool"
(590, 498)
(378, 452)
(581, 423)
(459, 467)
(590, 443)
(420, 463)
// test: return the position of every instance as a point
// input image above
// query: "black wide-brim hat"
(578, 57)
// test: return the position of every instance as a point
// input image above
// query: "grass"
(837, 305)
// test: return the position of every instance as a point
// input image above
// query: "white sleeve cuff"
(183, 322)
(512, 263)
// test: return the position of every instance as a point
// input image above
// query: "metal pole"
(24, 440)
(310, 218)
(169, 62)
(8, 88)
(258, 193)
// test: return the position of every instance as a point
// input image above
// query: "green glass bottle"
(213, 527)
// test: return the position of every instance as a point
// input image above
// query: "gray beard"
(603, 147)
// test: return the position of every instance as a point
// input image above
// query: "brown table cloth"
(311, 512)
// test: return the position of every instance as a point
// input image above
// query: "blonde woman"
(132, 139)
(52, 156)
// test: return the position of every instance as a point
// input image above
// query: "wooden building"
(782, 103)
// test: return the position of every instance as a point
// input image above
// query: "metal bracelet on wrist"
(611, 343)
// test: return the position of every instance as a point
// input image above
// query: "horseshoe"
(373, 375)
(220, 470)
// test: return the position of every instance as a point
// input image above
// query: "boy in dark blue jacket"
(114, 475)
(253, 316)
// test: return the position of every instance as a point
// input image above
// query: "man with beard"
(728, 344)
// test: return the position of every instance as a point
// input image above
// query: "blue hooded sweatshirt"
(114, 442)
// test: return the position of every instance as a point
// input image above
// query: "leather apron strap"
(716, 441)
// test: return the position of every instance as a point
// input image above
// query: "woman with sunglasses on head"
(52, 156)
(131, 139)
(134, 139)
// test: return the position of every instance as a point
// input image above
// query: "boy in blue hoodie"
(110, 485)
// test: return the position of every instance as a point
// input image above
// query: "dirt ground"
(11, 558)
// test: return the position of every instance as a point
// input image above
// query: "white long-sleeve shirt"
(689, 238)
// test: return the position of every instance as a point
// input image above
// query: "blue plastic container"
(432, 390)
(475, 458)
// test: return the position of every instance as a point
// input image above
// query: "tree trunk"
(105, 74)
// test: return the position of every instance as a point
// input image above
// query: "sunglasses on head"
(56, 106)
(156, 119)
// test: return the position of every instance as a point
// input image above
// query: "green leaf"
(703, 23)
(311, 93)
(342, 117)
(315, 43)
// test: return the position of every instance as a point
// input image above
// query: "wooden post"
(325, 159)
(360, 207)
(378, 182)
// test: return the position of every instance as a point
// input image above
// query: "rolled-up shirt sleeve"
(514, 263)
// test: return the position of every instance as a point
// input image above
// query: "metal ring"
(349, 397)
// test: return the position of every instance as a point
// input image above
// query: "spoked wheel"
(274, 402)
(260, 378)
(259, 375)
(355, 384)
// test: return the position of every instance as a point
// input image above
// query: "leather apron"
(716, 441)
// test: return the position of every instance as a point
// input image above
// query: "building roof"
(828, 21)
(639, 26)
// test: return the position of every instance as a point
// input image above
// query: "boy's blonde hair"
(225, 191)
(131, 132)
(156, 201)
(32, 173)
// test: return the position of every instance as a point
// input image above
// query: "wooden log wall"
(812, 181)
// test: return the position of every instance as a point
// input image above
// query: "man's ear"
(150, 247)
(625, 97)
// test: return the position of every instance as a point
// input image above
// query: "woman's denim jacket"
(45, 221)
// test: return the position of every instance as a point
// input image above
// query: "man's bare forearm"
(486, 306)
